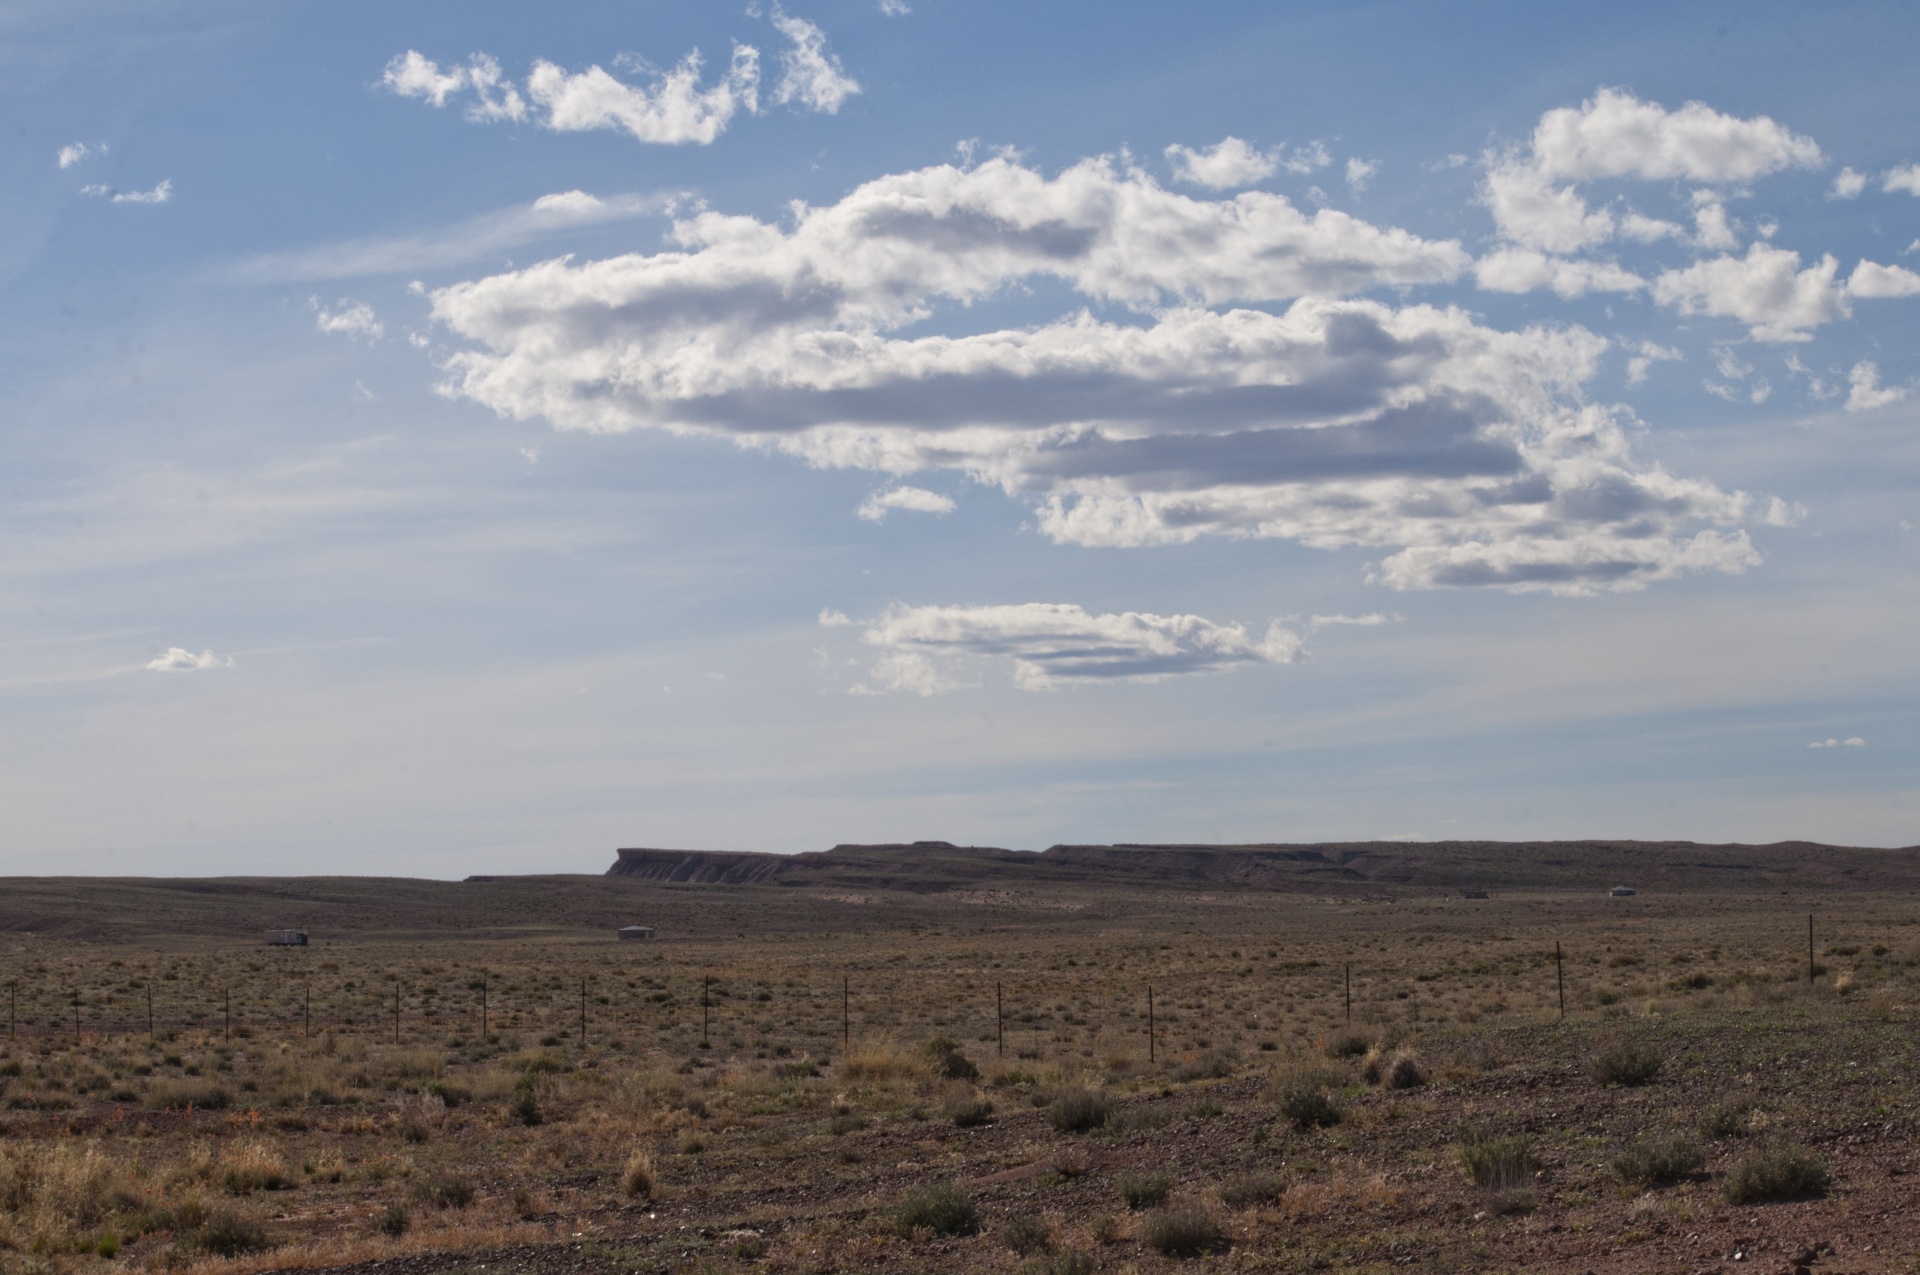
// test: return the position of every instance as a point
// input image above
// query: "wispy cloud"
(75, 152)
(348, 318)
(915, 499)
(1853, 742)
(451, 245)
(928, 650)
(810, 75)
(180, 660)
(158, 195)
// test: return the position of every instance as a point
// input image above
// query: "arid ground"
(879, 1073)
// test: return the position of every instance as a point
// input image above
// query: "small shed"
(1623, 891)
(286, 938)
(635, 933)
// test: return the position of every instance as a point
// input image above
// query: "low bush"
(1659, 1163)
(1405, 1072)
(1496, 1162)
(1214, 1064)
(1625, 1063)
(178, 1095)
(1182, 1232)
(942, 1208)
(1025, 1233)
(446, 1191)
(970, 1112)
(1307, 1105)
(1777, 1173)
(1070, 1262)
(637, 1179)
(1253, 1188)
(225, 1233)
(1144, 1190)
(393, 1221)
(1079, 1110)
(1348, 1044)
(1724, 1120)
(948, 1062)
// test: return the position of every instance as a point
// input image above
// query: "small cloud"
(1648, 354)
(77, 151)
(1853, 741)
(1847, 184)
(1906, 177)
(179, 659)
(1365, 621)
(1360, 173)
(916, 499)
(1307, 159)
(1784, 513)
(1866, 392)
(361, 393)
(158, 195)
(895, 8)
(1227, 163)
(531, 455)
(354, 319)
(811, 75)
(834, 619)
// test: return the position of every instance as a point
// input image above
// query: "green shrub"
(450, 1094)
(393, 1221)
(1307, 1105)
(178, 1095)
(1215, 1064)
(525, 1106)
(942, 1208)
(1144, 1190)
(1623, 1063)
(1405, 1072)
(968, 1113)
(1660, 1163)
(1025, 1233)
(948, 1061)
(1182, 1232)
(446, 1191)
(225, 1233)
(1253, 1188)
(1348, 1044)
(1496, 1162)
(1070, 1262)
(1724, 1120)
(1079, 1110)
(1777, 1173)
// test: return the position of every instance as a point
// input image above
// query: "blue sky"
(457, 438)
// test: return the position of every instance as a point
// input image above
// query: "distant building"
(1473, 894)
(635, 933)
(1622, 891)
(286, 938)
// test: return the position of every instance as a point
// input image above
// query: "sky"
(454, 438)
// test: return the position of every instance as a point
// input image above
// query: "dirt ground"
(762, 1095)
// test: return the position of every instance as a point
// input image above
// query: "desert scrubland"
(822, 1079)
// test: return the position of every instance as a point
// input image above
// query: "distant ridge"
(930, 866)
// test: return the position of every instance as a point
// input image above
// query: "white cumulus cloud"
(1524, 270)
(74, 152)
(1847, 184)
(1873, 281)
(1226, 164)
(1359, 173)
(160, 194)
(928, 649)
(1766, 289)
(916, 499)
(412, 74)
(1534, 192)
(673, 111)
(1865, 391)
(179, 659)
(810, 75)
(1466, 453)
(348, 318)
(1906, 177)
(1853, 742)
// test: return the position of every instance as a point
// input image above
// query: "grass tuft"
(1774, 1174)
(1182, 1232)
